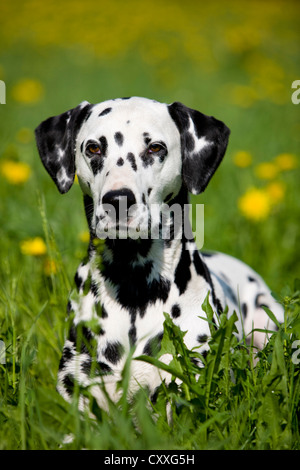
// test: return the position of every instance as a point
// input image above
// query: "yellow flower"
(27, 91)
(276, 191)
(266, 171)
(33, 246)
(242, 37)
(50, 267)
(85, 236)
(242, 159)
(255, 204)
(286, 161)
(15, 172)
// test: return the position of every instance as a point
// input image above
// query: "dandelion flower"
(266, 171)
(15, 172)
(243, 95)
(28, 91)
(50, 267)
(33, 247)
(255, 204)
(276, 191)
(242, 159)
(84, 236)
(286, 161)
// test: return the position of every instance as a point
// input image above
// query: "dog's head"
(133, 152)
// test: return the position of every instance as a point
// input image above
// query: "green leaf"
(207, 308)
(271, 316)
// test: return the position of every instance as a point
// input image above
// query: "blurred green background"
(235, 60)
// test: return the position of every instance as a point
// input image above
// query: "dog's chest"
(128, 306)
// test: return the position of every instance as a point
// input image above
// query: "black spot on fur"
(149, 191)
(204, 353)
(89, 209)
(119, 138)
(132, 334)
(144, 198)
(69, 383)
(152, 346)
(105, 111)
(201, 268)
(203, 271)
(175, 311)
(67, 354)
(104, 312)
(244, 310)
(147, 159)
(120, 162)
(86, 366)
(154, 395)
(202, 338)
(131, 159)
(147, 138)
(104, 368)
(103, 142)
(69, 307)
(78, 281)
(94, 288)
(82, 339)
(208, 254)
(96, 164)
(183, 272)
(113, 352)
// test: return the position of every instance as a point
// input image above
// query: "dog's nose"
(121, 200)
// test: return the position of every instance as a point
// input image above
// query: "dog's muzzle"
(119, 216)
(117, 203)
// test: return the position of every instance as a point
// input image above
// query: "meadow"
(234, 60)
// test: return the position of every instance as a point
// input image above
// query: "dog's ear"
(56, 141)
(203, 143)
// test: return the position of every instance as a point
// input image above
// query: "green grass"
(228, 404)
(203, 58)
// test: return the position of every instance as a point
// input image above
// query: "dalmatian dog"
(134, 158)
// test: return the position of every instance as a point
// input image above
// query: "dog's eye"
(155, 148)
(93, 149)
